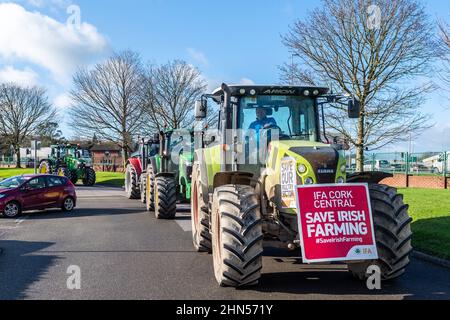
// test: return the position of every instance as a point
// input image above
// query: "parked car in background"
(378, 165)
(36, 192)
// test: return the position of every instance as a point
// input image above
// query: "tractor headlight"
(309, 181)
(302, 168)
(341, 180)
(343, 168)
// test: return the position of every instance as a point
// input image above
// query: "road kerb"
(435, 260)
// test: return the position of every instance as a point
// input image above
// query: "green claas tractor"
(69, 161)
(239, 200)
(168, 176)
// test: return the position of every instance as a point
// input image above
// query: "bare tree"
(444, 52)
(22, 111)
(108, 101)
(172, 90)
(372, 50)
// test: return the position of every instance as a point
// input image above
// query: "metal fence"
(423, 163)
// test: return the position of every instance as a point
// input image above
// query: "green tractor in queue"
(237, 207)
(71, 162)
(168, 175)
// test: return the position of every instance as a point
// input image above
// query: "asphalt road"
(125, 253)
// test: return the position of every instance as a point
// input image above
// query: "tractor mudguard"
(200, 160)
(235, 178)
(372, 177)
(154, 165)
(136, 163)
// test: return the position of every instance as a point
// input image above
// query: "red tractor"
(137, 166)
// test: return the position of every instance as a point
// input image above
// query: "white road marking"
(186, 225)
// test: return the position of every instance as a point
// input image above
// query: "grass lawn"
(6, 173)
(430, 210)
(103, 178)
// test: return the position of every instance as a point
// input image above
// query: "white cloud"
(62, 101)
(32, 37)
(25, 77)
(246, 81)
(198, 56)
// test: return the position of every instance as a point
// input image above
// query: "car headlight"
(343, 168)
(341, 180)
(2, 196)
(302, 168)
(309, 181)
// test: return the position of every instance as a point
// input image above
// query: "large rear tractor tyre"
(236, 236)
(74, 176)
(45, 167)
(165, 198)
(131, 183)
(199, 216)
(90, 177)
(150, 189)
(392, 232)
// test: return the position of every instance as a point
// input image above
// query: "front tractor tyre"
(65, 172)
(150, 189)
(392, 232)
(165, 198)
(143, 186)
(236, 236)
(131, 183)
(90, 177)
(201, 235)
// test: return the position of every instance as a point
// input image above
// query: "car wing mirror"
(201, 108)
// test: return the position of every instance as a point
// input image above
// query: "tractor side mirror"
(354, 108)
(201, 107)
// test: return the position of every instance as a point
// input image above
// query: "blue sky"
(232, 41)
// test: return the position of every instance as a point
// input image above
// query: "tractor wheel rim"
(44, 169)
(68, 204)
(11, 210)
(195, 206)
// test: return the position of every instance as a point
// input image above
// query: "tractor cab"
(260, 125)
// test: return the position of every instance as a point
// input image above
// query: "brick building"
(107, 157)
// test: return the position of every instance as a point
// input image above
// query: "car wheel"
(12, 210)
(68, 204)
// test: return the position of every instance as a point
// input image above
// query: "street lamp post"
(292, 67)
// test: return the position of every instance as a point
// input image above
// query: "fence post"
(373, 161)
(444, 171)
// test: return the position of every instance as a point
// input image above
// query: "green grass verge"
(115, 179)
(430, 210)
(103, 178)
(7, 173)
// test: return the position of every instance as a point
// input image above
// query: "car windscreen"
(13, 182)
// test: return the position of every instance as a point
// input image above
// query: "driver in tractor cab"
(262, 121)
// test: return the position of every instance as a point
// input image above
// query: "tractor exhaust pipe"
(227, 112)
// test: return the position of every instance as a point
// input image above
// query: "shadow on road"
(20, 268)
(82, 212)
(334, 279)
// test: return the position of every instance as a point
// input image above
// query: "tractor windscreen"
(293, 116)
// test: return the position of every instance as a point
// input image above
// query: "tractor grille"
(324, 162)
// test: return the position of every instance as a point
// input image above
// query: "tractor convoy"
(236, 185)
(69, 161)
(159, 174)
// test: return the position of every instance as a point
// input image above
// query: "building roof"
(105, 147)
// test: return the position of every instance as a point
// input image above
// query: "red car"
(36, 192)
